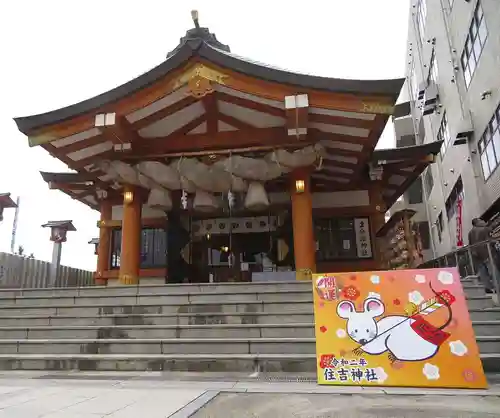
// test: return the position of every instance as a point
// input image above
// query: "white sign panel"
(363, 240)
(235, 225)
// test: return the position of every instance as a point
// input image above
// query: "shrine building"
(213, 167)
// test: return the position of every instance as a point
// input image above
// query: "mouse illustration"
(405, 338)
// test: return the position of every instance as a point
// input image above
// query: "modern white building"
(453, 94)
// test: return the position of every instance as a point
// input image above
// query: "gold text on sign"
(377, 108)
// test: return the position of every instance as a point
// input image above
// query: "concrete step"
(249, 303)
(250, 363)
(167, 289)
(160, 299)
(160, 346)
(191, 292)
(483, 314)
(487, 345)
(298, 330)
(221, 306)
(279, 330)
(292, 363)
(207, 318)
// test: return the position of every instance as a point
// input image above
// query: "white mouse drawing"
(393, 333)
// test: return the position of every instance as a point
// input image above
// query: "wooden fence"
(21, 272)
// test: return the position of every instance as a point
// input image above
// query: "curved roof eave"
(225, 59)
(389, 87)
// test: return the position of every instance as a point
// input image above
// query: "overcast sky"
(54, 53)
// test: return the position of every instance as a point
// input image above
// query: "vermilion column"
(131, 237)
(303, 232)
(104, 246)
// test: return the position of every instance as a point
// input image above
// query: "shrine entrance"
(237, 249)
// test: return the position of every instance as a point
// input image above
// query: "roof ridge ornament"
(194, 16)
(195, 35)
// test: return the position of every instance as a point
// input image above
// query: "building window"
(153, 248)
(433, 70)
(440, 226)
(474, 44)
(429, 181)
(489, 146)
(414, 192)
(456, 194)
(444, 134)
(421, 17)
(336, 239)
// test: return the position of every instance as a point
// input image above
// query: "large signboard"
(395, 328)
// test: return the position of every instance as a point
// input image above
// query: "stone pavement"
(182, 395)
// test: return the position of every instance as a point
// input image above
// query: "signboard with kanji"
(395, 328)
(363, 241)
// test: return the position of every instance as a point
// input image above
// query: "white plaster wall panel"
(341, 113)
(91, 151)
(341, 158)
(340, 129)
(200, 129)
(253, 117)
(224, 127)
(173, 122)
(257, 99)
(154, 107)
(79, 137)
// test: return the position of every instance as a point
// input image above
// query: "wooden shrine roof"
(204, 100)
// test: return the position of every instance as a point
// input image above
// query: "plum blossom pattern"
(445, 277)
(420, 278)
(431, 371)
(381, 374)
(375, 279)
(469, 375)
(341, 333)
(397, 365)
(458, 348)
(350, 292)
(396, 302)
(323, 329)
(415, 297)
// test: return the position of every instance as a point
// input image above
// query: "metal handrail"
(467, 262)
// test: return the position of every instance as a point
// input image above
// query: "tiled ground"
(155, 395)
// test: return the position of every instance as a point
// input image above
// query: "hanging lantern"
(204, 201)
(160, 199)
(256, 198)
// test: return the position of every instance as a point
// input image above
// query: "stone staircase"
(207, 327)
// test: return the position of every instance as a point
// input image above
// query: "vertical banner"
(395, 328)
(460, 240)
(363, 240)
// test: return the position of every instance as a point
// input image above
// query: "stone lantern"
(58, 232)
(95, 243)
(6, 202)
